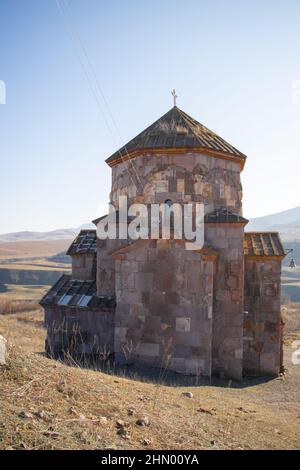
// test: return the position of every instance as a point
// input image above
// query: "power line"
(75, 38)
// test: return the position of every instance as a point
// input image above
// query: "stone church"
(208, 312)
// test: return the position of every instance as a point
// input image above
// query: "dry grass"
(9, 306)
(291, 318)
(74, 408)
(39, 266)
(29, 249)
(23, 292)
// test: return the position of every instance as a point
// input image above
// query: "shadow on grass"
(154, 375)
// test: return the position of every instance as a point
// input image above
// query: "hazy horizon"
(80, 225)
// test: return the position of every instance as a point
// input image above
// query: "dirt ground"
(45, 404)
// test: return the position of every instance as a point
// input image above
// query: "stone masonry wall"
(181, 178)
(262, 323)
(84, 266)
(79, 330)
(227, 345)
(106, 283)
(164, 307)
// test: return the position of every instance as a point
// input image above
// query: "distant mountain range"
(287, 223)
(60, 234)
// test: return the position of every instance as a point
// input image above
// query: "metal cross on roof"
(174, 96)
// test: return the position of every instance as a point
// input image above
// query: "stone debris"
(145, 421)
(122, 431)
(144, 398)
(52, 434)
(206, 411)
(124, 434)
(26, 415)
(120, 423)
(146, 442)
(42, 415)
(188, 394)
(131, 411)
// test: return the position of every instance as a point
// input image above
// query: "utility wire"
(95, 90)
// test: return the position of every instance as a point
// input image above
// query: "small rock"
(103, 420)
(124, 434)
(22, 445)
(120, 423)
(188, 394)
(42, 415)
(242, 409)
(3, 342)
(122, 431)
(143, 421)
(209, 412)
(131, 411)
(144, 398)
(146, 442)
(25, 415)
(52, 434)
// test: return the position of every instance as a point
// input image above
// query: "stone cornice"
(176, 151)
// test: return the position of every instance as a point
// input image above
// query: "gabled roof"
(177, 130)
(224, 215)
(261, 244)
(85, 242)
(68, 292)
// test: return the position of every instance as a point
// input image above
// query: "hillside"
(46, 404)
(287, 223)
(32, 249)
(27, 236)
(28, 269)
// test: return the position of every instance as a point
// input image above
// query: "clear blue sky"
(232, 63)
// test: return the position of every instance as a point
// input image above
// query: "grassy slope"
(71, 402)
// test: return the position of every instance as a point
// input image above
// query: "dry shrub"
(9, 306)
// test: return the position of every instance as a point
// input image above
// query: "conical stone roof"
(176, 131)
